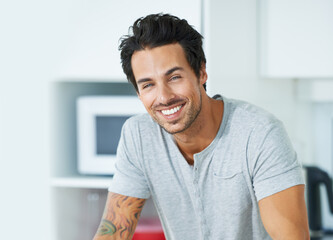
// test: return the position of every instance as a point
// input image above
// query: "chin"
(173, 129)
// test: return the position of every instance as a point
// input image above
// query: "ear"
(203, 74)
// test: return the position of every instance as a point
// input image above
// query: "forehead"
(158, 59)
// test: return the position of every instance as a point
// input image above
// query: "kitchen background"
(277, 54)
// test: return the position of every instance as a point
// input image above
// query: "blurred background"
(277, 54)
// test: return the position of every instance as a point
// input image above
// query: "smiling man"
(216, 168)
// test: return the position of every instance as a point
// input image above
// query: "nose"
(165, 94)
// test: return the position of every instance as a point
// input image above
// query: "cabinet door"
(296, 38)
(91, 31)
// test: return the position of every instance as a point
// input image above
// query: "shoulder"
(134, 132)
(139, 124)
(140, 120)
(249, 115)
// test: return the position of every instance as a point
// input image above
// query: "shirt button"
(196, 168)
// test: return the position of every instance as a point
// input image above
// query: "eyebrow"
(143, 80)
(167, 73)
(172, 70)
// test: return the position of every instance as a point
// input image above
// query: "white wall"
(24, 63)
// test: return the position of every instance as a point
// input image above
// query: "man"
(215, 168)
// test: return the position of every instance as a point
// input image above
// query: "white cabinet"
(88, 63)
(92, 29)
(296, 38)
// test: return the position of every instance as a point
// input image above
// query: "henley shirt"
(250, 158)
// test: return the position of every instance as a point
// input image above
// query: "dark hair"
(157, 30)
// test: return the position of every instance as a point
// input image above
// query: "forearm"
(120, 217)
(108, 231)
(291, 234)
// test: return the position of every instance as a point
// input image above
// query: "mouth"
(172, 112)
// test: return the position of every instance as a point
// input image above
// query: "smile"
(172, 110)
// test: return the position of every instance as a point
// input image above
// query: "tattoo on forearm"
(106, 228)
(121, 216)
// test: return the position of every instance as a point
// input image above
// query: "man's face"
(168, 87)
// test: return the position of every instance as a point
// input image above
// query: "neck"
(202, 131)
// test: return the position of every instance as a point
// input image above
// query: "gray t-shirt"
(250, 158)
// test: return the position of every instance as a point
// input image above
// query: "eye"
(175, 77)
(147, 85)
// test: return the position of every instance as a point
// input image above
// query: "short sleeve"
(129, 178)
(274, 162)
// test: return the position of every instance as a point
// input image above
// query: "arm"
(284, 214)
(120, 217)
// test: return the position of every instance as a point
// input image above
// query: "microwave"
(99, 123)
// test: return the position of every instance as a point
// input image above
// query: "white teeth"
(171, 111)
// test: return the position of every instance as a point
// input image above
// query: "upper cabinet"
(90, 33)
(296, 38)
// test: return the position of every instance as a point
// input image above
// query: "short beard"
(192, 116)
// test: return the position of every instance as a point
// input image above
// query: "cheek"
(191, 87)
(147, 100)
(190, 91)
